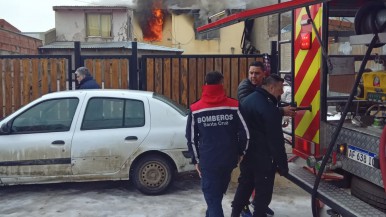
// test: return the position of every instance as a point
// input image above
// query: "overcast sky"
(38, 16)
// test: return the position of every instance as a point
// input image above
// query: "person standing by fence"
(85, 79)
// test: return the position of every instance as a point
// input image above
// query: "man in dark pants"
(266, 153)
(85, 79)
(256, 74)
(217, 137)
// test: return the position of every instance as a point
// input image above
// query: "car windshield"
(181, 109)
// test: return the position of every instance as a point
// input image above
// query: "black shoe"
(270, 211)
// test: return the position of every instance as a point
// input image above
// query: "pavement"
(120, 198)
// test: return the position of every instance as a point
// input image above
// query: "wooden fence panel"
(234, 77)
(226, 70)
(115, 74)
(124, 74)
(218, 64)
(54, 76)
(192, 85)
(209, 64)
(44, 76)
(166, 78)
(176, 93)
(25, 78)
(16, 83)
(184, 84)
(35, 79)
(2, 111)
(200, 76)
(150, 74)
(98, 71)
(109, 73)
(26, 81)
(181, 78)
(63, 75)
(243, 68)
(158, 76)
(90, 65)
(8, 87)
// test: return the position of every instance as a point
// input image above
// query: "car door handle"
(131, 138)
(58, 142)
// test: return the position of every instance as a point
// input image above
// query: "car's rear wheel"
(368, 192)
(152, 174)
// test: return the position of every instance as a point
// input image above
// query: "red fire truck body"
(337, 66)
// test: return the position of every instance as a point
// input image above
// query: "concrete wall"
(71, 25)
(184, 37)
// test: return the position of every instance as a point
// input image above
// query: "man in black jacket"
(217, 137)
(256, 74)
(266, 153)
(85, 79)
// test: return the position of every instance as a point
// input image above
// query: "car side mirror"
(5, 128)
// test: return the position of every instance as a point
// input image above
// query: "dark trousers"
(255, 178)
(214, 183)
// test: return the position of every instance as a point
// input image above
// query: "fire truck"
(337, 61)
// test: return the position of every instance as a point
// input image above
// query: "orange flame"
(153, 32)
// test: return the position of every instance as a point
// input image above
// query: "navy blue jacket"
(244, 89)
(88, 82)
(216, 132)
(266, 142)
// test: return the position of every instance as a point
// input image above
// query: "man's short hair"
(258, 64)
(213, 77)
(83, 71)
(272, 79)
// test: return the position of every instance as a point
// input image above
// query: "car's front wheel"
(152, 174)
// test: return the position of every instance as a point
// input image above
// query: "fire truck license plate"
(361, 155)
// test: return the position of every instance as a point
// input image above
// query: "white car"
(94, 135)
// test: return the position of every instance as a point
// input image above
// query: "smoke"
(206, 7)
(210, 7)
(128, 3)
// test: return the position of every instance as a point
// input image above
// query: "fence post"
(133, 69)
(274, 58)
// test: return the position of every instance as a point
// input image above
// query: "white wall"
(71, 26)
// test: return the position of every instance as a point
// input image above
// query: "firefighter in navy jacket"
(217, 137)
(266, 153)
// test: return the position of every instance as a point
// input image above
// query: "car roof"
(71, 93)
